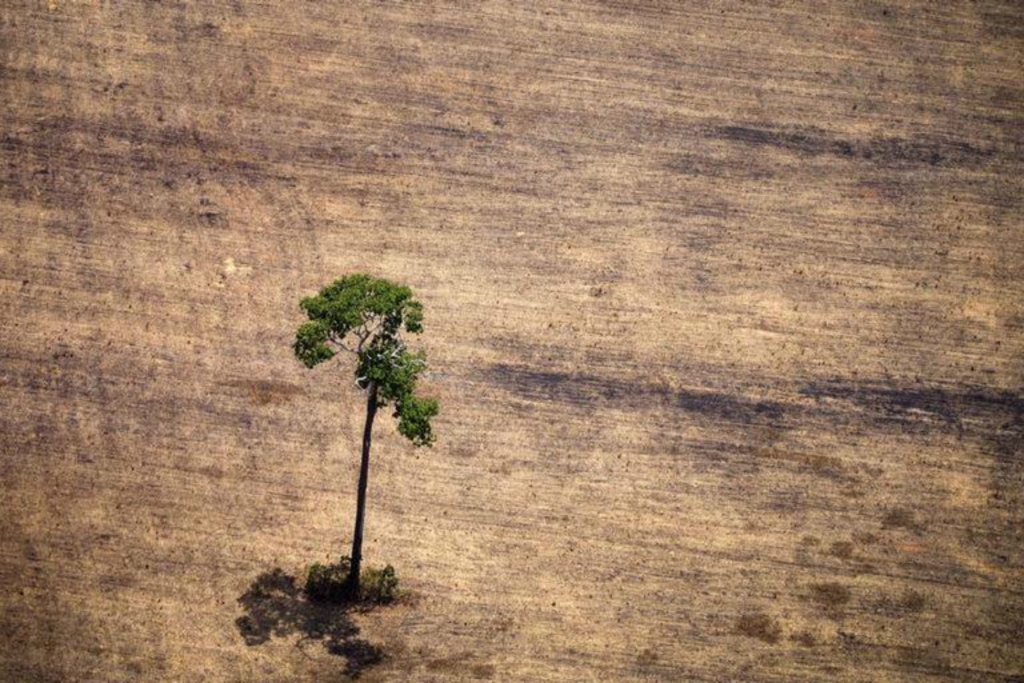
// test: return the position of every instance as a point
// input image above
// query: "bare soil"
(724, 309)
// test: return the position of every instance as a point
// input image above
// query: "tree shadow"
(276, 607)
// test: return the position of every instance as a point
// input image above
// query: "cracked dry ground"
(723, 304)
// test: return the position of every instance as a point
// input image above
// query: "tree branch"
(340, 343)
(370, 327)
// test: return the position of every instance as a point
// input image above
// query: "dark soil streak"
(928, 406)
(591, 390)
(883, 151)
(973, 411)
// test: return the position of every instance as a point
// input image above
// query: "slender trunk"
(364, 471)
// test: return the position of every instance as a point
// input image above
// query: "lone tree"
(365, 316)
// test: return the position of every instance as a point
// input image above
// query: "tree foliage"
(366, 316)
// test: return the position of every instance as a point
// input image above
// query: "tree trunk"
(352, 582)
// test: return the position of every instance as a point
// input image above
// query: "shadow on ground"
(276, 607)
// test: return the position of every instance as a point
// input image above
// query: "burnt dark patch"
(699, 166)
(452, 132)
(1001, 24)
(991, 419)
(482, 672)
(759, 625)
(204, 30)
(265, 392)
(451, 664)
(899, 518)
(887, 151)
(586, 390)
(332, 154)
(999, 413)
(841, 549)
(896, 402)
(864, 537)
(211, 218)
(904, 604)
(830, 594)
(911, 601)
(646, 658)
(824, 465)
(804, 638)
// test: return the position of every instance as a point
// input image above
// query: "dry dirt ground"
(724, 308)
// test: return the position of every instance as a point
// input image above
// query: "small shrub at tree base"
(379, 586)
(329, 583)
(326, 582)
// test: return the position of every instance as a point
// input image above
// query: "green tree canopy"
(365, 316)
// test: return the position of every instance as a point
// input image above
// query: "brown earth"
(724, 309)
